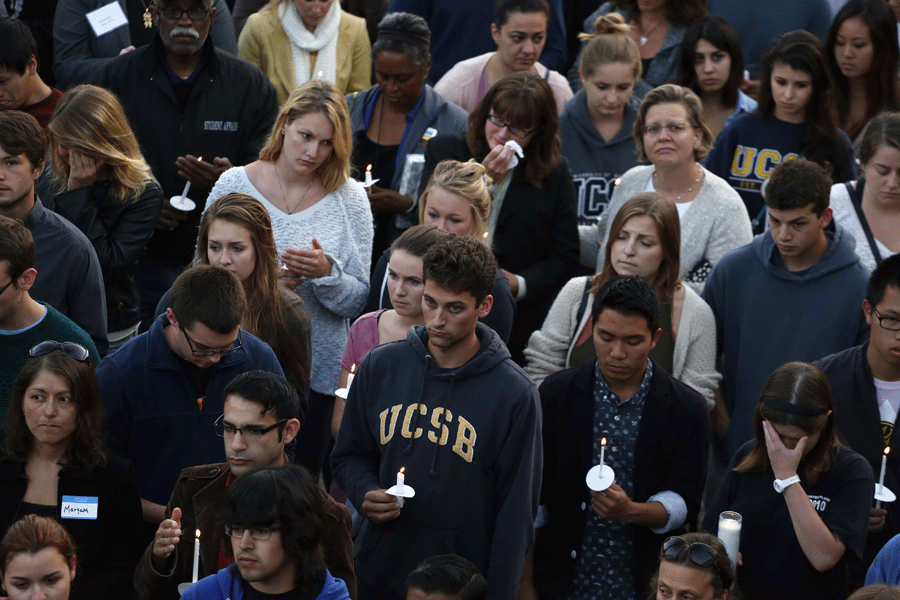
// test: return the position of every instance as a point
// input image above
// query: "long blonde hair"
(90, 120)
(317, 96)
(468, 181)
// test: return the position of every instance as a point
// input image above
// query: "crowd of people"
(433, 299)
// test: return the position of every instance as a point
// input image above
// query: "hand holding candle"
(882, 494)
(183, 202)
(401, 490)
(369, 182)
(601, 476)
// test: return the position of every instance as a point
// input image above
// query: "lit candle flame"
(320, 74)
(485, 235)
(199, 158)
(369, 168)
(353, 368)
(402, 469)
(198, 533)
(887, 450)
(603, 442)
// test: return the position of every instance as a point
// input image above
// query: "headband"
(396, 35)
(794, 409)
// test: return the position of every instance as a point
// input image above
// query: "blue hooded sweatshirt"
(227, 585)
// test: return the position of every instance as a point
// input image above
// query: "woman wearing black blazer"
(533, 224)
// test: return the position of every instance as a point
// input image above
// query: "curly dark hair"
(461, 264)
(798, 183)
(87, 447)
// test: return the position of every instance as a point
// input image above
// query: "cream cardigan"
(715, 224)
(694, 361)
(265, 45)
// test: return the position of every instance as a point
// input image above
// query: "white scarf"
(323, 41)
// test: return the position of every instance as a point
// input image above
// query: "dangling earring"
(148, 19)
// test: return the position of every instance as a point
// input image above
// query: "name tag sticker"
(107, 18)
(79, 507)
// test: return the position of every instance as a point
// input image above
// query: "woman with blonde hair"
(644, 240)
(456, 200)
(295, 41)
(110, 195)
(322, 226)
(596, 126)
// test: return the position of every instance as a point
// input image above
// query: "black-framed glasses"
(222, 428)
(236, 345)
(3, 289)
(71, 349)
(673, 128)
(173, 13)
(259, 534)
(516, 131)
(889, 323)
(700, 554)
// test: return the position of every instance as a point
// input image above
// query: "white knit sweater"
(694, 359)
(342, 223)
(715, 223)
(845, 216)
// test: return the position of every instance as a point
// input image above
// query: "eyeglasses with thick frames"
(702, 555)
(673, 128)
(71, 349)
(223, 429)
(3, 289)
(203, 353)
(173, 13)
(889, 323)
(516, 131)
(259, 534)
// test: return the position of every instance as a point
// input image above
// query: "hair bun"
(608, 24)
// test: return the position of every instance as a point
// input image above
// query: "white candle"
(351, 376)
(602, 451)
(196, 557)
(401, 477)
(880, 490)
(368, 182)
(730, 534)
(184, 192)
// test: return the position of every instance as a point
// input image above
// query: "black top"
(774, 565)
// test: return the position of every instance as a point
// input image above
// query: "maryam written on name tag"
(79, 507)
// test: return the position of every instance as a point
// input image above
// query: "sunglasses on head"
(71, 349)
(700, 554)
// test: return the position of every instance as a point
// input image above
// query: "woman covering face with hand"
(804, 497)
(54, 450)
(533, 196)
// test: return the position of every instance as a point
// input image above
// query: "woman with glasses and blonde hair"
(55, 464)
(803, 496)
(322, 226)
(693, 565)
(110, 195)
(673, 136)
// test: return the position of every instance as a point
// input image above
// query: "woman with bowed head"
(596, 126)
(695, 566)
(322, 226)
(803, 496)
(532, 223)
(869, 208)
(37, 560)
(55, 464)
(672, 135)
(863, 53)
(393, 120)
(295, 41)
(456, 200)
(520, 31)
(657, 29)
(712, 66)
(794, 119)
(404, 284)
(645, 241)
(109, 194)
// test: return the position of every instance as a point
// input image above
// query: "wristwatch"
(782, 484)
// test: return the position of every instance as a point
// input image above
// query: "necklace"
(690, 189)
(645, 35)
(148, 20)
(284, 201)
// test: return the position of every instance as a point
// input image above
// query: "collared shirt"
(605, 563)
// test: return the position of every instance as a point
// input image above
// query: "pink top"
(363, 337)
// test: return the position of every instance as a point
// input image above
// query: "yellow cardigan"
(264, 44)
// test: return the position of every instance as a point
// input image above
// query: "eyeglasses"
(260, 534)
(71, 349)
(3, 289)
(673, 128)
(206, 353)
(516, 131)
(173, 13)
(700, 554)
(889, 323)
(222, 428)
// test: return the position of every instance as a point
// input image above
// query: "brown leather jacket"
(199, 493)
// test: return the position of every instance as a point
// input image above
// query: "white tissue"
(517, 150)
